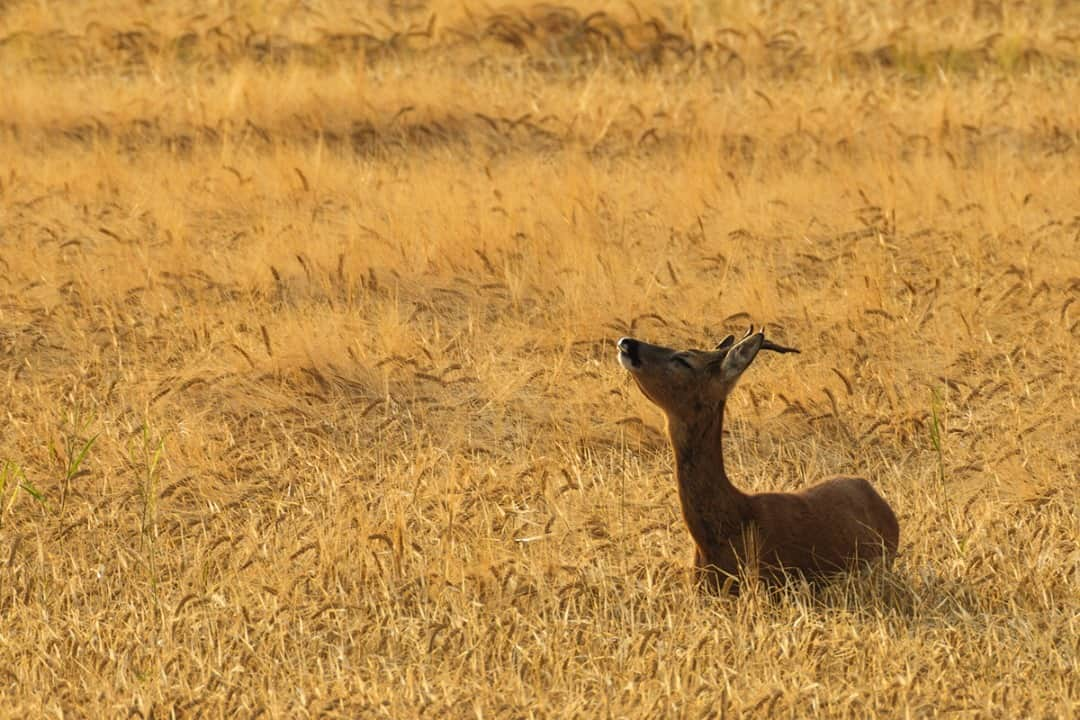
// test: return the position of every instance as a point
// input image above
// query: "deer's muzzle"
(628, 353)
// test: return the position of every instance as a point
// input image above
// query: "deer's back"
(825, 528)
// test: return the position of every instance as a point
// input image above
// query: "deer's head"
(686, 383)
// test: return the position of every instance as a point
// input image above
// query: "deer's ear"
(740, 356)
(726, 343)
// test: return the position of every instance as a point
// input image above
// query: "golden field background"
(310, 405)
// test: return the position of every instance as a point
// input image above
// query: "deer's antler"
(769, 345)
(765, 344)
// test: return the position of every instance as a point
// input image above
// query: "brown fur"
(823, 529)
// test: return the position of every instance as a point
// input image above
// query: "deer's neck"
(713, 508)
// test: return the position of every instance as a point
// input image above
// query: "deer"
(834, 526)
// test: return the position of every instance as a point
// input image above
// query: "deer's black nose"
(629, 347)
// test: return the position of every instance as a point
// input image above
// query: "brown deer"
(830, 527)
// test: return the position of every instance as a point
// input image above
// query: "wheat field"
(310, 401)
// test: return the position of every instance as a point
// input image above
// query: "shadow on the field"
(911, 596)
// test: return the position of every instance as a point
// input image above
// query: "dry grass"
(310, 403)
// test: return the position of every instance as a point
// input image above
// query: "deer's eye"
(680, 360)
